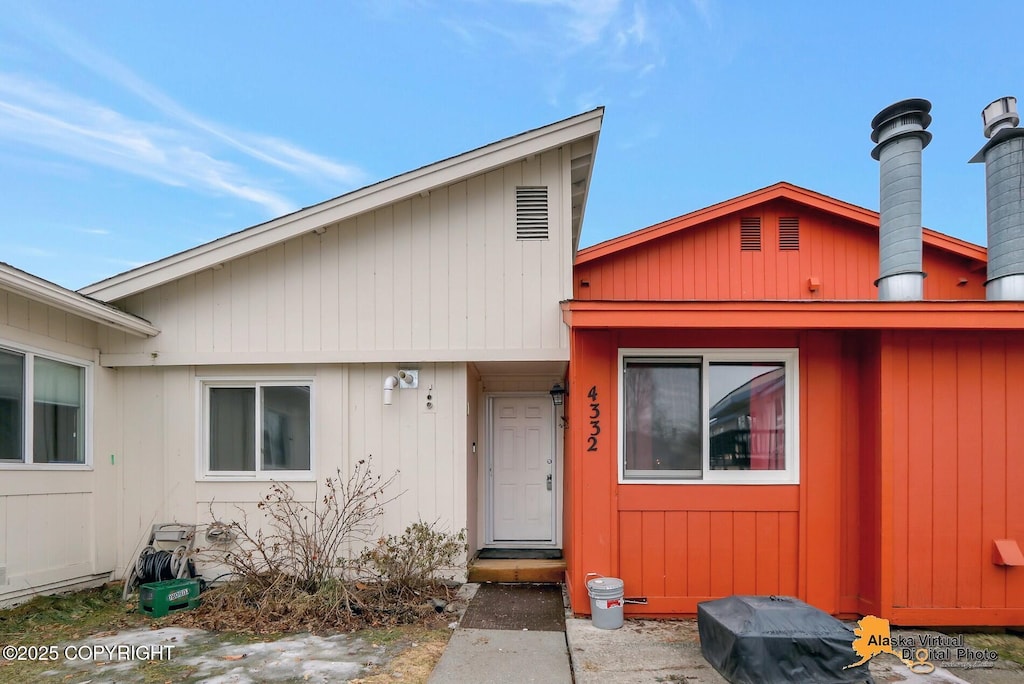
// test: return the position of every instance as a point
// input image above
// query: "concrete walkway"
(640, 652)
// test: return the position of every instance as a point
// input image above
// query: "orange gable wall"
(705, 262)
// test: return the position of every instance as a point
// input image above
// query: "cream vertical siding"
(425, 446)
(438, 277)
(57, 525)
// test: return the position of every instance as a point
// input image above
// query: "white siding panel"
(330, 293)
(311, 286)
(384, 278)
(50, 519)
(420, 239)
(439, 272)
(403, 277)
(276, 303)
(439, 269)
(293, 290)
(458, 248)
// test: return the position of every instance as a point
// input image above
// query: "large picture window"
(42, 409)
(708, 416)
(257, 427)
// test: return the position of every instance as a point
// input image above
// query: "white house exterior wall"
(439, 277)
(425, 446)
(57, 523)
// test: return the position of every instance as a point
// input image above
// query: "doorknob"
(549, 482)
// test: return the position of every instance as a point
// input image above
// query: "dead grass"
(417, 652)
(244, 608)
(1008, 646)
(412, 649)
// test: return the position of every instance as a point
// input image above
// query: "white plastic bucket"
(606, 601)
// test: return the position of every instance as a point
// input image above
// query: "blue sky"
(133, 130)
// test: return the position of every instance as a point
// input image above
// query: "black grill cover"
(762, 639)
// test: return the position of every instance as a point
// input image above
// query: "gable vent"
(750, 234)
(532, 212)
(789, 233)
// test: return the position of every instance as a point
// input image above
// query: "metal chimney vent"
(1003, 155)
(532, 212)
(899, 130)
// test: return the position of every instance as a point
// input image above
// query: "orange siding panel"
(944, 473)
(993, 462)
(968, 509)
(912, 477)
(675, 553)
(767, 552)
(653, 542)
(721, 553)
(698, 562)
(1014, 464)
(744, 570)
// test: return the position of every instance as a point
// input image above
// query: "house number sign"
(595, 419)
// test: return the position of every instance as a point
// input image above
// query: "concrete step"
(517, 570)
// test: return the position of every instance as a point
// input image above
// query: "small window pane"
(662, 415)
(748, 416)
(58, 415)
(232, 429)
(286, 428)
(12, 406)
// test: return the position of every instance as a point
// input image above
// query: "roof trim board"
(781, 190)
(359, 201)
(810, 314)
(51, 294)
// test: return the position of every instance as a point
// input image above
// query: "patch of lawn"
(1008, 646)
(52, 620)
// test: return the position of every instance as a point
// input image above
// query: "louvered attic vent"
(750, 234)
(532, 212)
(789, 233)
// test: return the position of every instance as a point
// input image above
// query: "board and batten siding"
(51, 519)
(440, 277)
(954, 442)
(426, 447)
(708, 262)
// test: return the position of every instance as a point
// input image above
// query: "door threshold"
(495, 553)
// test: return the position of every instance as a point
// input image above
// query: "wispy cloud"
(183, 149)
(44, 116)
(99, 232)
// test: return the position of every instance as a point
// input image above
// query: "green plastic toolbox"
(157, 599)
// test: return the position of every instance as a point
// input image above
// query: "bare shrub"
(300, 570)
(418, 559)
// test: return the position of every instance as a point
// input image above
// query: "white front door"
(522, 469)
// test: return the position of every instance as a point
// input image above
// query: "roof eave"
(359, 201)
(51, 294)
(781, 190)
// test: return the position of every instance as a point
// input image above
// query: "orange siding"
(705, 262)
(960, 455)
(677, 545)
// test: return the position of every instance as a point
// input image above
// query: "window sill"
(77, 467)
(281, 476)
(717, 483)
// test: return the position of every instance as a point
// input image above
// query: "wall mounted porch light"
(558, 394)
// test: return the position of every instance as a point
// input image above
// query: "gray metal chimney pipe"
(1003, 155)
(899, 130)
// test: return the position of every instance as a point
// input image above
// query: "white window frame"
(790, 357)
(203, 472)
(28, 420)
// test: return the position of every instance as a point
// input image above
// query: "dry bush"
(296, 572)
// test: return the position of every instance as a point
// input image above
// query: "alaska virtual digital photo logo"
(917, 651)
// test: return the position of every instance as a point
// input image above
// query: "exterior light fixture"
(558, 394)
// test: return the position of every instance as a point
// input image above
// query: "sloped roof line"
(780, 190)
(37, 289)
(370, 197)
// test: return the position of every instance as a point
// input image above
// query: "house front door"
(522, 470)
